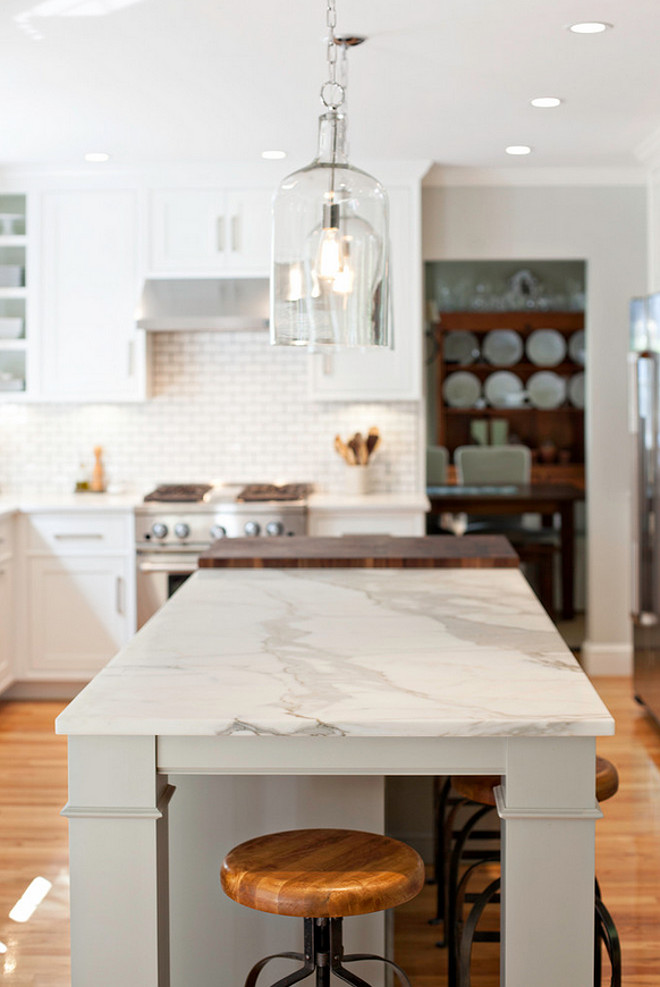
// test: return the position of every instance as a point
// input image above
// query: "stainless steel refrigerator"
(644, 424)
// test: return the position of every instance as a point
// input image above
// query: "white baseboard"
(607, 659)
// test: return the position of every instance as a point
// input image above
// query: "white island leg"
(117, 812)
(548, 811)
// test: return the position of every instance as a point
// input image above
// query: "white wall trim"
(440, 176)
(607, 659)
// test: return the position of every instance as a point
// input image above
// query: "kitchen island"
(272, 677)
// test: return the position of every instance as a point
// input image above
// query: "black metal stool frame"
(324, 954)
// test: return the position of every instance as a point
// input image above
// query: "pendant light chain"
(330, 273)
(332, 92)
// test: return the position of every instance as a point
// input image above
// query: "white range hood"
(193, 304)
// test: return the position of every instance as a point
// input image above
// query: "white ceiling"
(444, 80)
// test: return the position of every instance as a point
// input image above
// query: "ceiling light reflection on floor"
(30, 900)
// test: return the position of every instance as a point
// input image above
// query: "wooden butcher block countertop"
(361, 551)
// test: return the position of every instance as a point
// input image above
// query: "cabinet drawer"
(77, 534)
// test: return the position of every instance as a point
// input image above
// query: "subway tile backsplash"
(225, 407)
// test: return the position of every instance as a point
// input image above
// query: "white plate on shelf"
(576, 390)
(460, 347)
(502, 347)
(546, 347)
(504, 390)
(546, 389)
(461, 389)
(576, 347)
(9, 222)
(12, 384)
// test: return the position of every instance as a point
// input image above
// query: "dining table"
(264, 699)
(550, 500)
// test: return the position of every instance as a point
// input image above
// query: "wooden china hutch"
(554, 435)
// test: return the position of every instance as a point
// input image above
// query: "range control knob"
(217, 531)
(274, 528)
(159, 530)
(251, 529)
(182, 530)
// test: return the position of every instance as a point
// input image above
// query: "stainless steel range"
(178, 522)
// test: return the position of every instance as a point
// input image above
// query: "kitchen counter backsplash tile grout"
(225, 406)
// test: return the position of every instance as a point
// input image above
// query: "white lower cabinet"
(79, 594)
(7, 610)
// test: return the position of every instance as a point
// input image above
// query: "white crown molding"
(227, 174)
(439, 176)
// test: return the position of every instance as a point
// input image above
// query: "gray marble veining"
(339, 652)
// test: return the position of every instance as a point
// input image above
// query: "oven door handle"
(171, 567)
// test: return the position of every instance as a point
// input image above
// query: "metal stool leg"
(467, 938)
(293, 978)
(440, 797)
(452, 884)
(607, 933)
(324, 955)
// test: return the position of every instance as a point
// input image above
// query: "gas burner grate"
(179, 492)
(270, 491)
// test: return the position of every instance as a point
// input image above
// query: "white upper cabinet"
(90, 284)
(210, 232)
(385, 374)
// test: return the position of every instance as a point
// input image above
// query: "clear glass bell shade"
(330, 278)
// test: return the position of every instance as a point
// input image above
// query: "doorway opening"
(506, 360)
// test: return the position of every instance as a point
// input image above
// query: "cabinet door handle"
(78, 536)
(235, 234)
(220, 234)
(131, 358)
(119, 595)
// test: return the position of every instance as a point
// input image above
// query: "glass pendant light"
(330, 277)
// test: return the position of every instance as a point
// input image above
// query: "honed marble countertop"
(389, 652)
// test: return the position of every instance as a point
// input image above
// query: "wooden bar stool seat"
(480, 789)
(322, 876)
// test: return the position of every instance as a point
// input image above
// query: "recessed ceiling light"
(273, 155)
(97, 156)
(589, 27)
(518, 149)
(545, 102)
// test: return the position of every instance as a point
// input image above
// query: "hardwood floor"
(33, 842)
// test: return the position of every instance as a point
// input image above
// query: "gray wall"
(605, 226)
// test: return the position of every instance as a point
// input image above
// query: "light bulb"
(330, 259)
(343, 281)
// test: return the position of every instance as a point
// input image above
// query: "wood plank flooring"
(33, 842)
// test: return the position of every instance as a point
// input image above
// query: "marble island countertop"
(381, 653)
